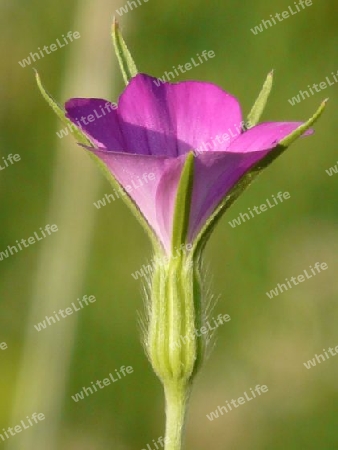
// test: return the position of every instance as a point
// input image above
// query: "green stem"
(176, 396)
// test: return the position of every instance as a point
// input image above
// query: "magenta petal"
(98, 119)
(166, 198)
(185, 115)
(151, 182)
(215, 175)
(263, 136)
(165, 120)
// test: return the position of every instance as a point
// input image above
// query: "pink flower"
(155, 128)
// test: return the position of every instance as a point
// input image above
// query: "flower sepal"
(259, 105)
(175, 298)
(126, 62)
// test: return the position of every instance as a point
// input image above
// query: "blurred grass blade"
(62, 264)
(259, 106)
(124, 57)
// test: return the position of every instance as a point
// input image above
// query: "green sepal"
(183, 204)
(172, 344)
(259, 105)
(288, 140)
(248, 178)
(127, 64)
(60, 112)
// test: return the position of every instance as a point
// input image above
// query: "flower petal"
(216, 174)
(263, 136)
(98, 119)
(151, 182)
(163, 119)
(184, 115)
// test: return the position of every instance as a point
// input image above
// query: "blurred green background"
(96, 251)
